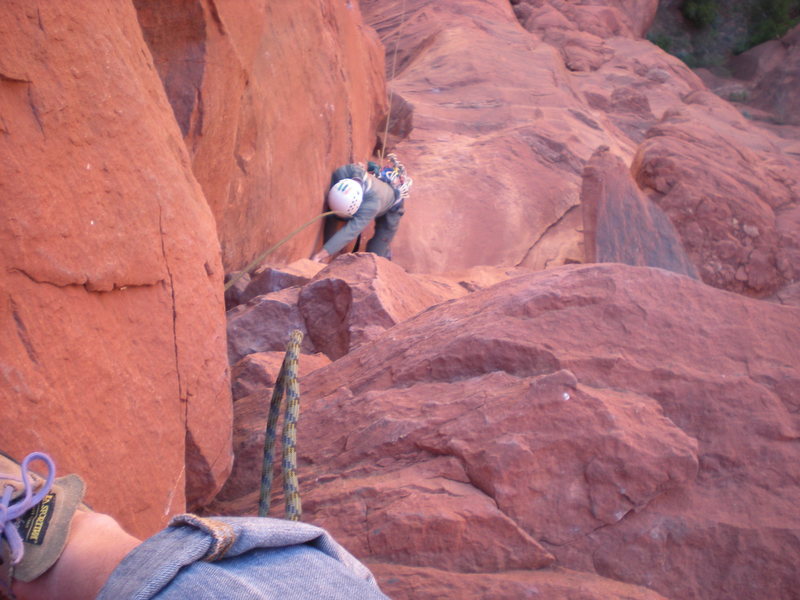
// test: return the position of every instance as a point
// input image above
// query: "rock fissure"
(22, 332)
(87, 284)
(544, 233)
(176, 349)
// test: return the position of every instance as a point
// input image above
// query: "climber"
(360, 195)
(55, 547)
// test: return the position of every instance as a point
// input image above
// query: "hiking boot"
(35, 516)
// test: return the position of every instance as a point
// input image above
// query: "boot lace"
(11, 511)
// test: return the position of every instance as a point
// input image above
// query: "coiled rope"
(286, 381)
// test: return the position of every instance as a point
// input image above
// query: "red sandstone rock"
(264, 325)
(234, 293)
(400, 582)
(270, 279)
(603, 18)
(497, 139)
(770, 73)
(271, 97)
(257, 372)
(621, 225)
(113, 354)
(632, 421)
(358, 296)
(734, 219)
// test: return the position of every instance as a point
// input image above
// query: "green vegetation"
(770, 19)
(700, 13)
(739, 96)
(662, 40)
(706, 33)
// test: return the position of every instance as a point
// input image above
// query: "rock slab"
(114, 355)
(632, 423)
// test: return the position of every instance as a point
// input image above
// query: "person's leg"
(244, 558)
(385, 230)
(53, 546)
(95, 546)
(225, 557)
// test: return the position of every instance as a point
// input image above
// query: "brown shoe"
(36, 515)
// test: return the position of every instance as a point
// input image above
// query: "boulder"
(620, 224)
(634, 423)
(735, 219)
(270, 279)
(114, 348)
(358, 296)
(257, 372)
(264, 325)
(770, 73)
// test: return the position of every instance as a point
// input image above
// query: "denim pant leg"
(240, 558)
(385, 229)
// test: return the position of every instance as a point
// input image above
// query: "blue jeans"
(240, 558)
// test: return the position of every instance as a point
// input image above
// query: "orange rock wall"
(113, 353)
(271, 97)
(132, 135)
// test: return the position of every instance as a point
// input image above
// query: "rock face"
(270, 97)
(632, 423)
(257, 372)
(735, 219)
(772, 70)
(343, 306)
(264, 324)
(361, 295)
(497, 140)
(114, 353)
(621, 225)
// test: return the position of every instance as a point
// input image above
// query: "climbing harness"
(286, 381)
(395, 175)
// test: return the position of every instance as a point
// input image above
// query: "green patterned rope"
(291, 489)
(286, 381)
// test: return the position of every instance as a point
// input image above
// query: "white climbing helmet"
(344, 198)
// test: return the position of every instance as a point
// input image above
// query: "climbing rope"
(394, 68)
(286, 381)
(263, 255)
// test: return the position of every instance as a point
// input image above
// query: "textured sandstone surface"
(358, 296)
(499, 120)
(736, 220)
(257, 372)
(497, 124)
(625, 420)
(339, 308)
(270, 97)
(770, 73)
(113, 353)
(621, 225)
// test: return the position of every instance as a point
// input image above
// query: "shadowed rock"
(622, 225)
(358, 296)
(264, 324)
(257, 372)
(732, 195)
